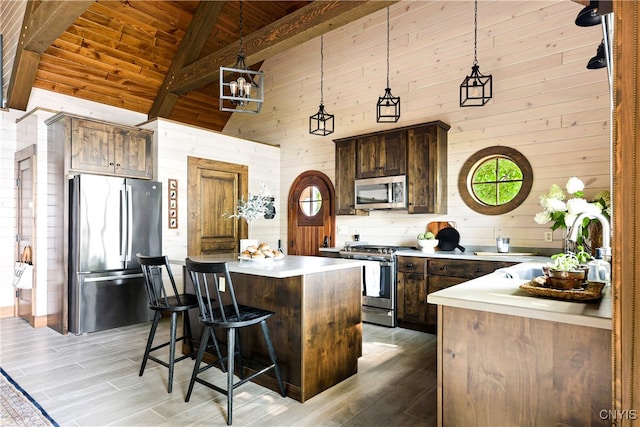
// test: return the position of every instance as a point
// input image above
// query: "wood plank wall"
(546, 103)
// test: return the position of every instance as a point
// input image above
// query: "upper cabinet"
(109, 149)
(383, 154)
(427, 168)
(346, 165)
(418, 151)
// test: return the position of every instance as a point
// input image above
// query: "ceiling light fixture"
(388, 108)
(321, 123)
(241, 89)
(476, 89)
(589, 15)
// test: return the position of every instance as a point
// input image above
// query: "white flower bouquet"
(563, 209)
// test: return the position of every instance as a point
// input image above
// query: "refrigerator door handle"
(108, 278)
(123, 224)
(129, 222)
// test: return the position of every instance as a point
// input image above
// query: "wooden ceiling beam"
(298, 27)
(42, 25)
(195, 38)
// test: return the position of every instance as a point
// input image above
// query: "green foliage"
(497, 181)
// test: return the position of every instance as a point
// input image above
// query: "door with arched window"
(311, 216)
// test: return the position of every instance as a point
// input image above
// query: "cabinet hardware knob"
(410, 264)
(478, 270)
(443, 267)
(110, 163)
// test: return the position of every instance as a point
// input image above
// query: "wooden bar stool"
(207, 278)
(153, 268)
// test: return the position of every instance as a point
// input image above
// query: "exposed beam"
(296, 28)
(200, 27)
(43, 23)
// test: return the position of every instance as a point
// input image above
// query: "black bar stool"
(160, 302)
(206, 278)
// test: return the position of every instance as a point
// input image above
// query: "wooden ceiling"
(160, 58)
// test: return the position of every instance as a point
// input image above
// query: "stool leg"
(172, 347)
(152, 333)
(187, 326)
(231, 335)
(196, 366)
(272, 354)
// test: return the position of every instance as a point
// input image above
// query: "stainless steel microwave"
(387, 192)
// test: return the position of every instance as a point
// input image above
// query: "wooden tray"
(589, 291)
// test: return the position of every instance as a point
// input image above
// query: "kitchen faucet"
(606, 231)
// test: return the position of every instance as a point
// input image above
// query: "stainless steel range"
(380, 287)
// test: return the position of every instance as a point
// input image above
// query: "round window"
(310, 201)
(495, 180)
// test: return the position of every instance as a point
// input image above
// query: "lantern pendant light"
(476, 89)
(388, 107)
(241, 89)
(321, 123)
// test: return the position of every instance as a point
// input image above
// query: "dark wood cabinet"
(418, 277)
(383, 154)
(411, 311)
(427, 168)
(345, 177)
(108, 149)
(418, 151)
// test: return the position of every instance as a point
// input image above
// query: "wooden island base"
(498, 370)
(316, 330)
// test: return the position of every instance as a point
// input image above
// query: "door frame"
(22, 155)
(293, 204)
(193, 196)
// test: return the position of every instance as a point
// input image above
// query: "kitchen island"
(508, 358)
(316, 330)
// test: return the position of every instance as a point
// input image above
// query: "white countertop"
(496, 294)
(289, 266)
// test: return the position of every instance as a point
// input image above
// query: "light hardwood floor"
(92, 380)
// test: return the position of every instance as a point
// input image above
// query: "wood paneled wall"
(546, 103)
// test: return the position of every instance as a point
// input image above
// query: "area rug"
(17, 408)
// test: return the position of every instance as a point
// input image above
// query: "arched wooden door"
(311, 216)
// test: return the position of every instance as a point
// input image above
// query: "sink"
(524, 271)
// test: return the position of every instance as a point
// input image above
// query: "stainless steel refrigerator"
(110, 220)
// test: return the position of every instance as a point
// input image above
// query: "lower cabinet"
(412, 293)
(418, 277)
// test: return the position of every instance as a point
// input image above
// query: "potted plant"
(260, 205)
(567, 270)
(427, 242)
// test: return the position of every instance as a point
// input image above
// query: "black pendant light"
(476, 89)
(321, 123)
(589, 15)
(388, 108)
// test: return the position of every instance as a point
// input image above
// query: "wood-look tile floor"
(92, 380)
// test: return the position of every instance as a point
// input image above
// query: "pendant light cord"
(475, 34)
(241, 50)
(387, 46)
(321, 69)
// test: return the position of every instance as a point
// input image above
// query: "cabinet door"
(412, 298)
(345, 176)
(368, 163)
(427, 169)
(382, 155)
(436, 283)
(132, 153)
(393, 153)
(92, 147)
